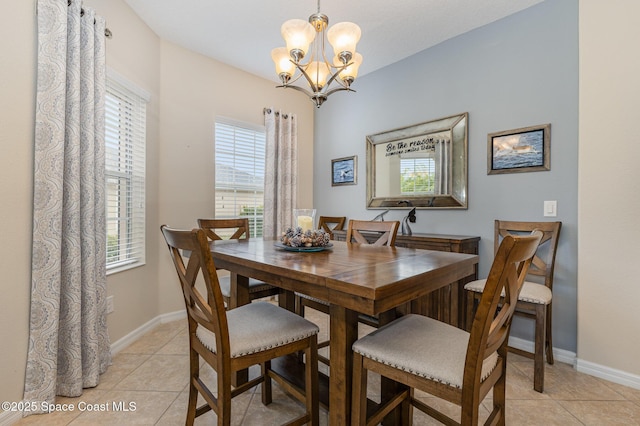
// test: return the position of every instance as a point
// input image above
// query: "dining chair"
(535, 298)
(235, 229)
(378, 233)
(233, 340)
(331, 223)
(418, 352)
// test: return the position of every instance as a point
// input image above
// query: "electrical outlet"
(110, 308)
(551, 208)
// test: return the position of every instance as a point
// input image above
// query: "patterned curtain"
(281, 167)
(68, 341)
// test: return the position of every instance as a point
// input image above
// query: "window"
(417, 175)
(125, 124)
(239, 181)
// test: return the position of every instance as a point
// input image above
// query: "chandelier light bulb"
(349, 74)
(343, 37)
(318, 72)
(284, 67)
(298, 34)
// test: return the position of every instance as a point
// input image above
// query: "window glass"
(239, 179)
(125, 124)
(417, 175)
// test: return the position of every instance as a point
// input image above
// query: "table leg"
(287, 300)
(239, 289)
(239, 296)
(344, 332)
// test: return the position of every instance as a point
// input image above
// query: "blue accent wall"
(516, 72)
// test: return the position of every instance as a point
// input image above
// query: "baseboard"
(125, 341)
(8, 418)
(608, 373)
(582, 366)
(560, 355)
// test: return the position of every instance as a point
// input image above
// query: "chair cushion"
(254, 285)
(259, 326)
(531, 292)
(423, 347)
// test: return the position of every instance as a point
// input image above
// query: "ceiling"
(242, 33)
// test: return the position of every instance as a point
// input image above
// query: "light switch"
(551, 208)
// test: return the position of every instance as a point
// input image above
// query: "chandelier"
(317, 69)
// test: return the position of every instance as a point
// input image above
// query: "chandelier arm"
(336, 74)
(338, 89)
(305, 91)
(304, 73)
(324, 51)
(290, 82)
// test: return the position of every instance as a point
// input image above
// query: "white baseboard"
(582, 366)
(608, 373)
(560, 355)
(7, 418)
(125, 341)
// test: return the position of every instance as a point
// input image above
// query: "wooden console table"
(449, 303)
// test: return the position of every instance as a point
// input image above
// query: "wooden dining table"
(353, 278)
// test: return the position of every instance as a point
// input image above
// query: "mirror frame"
(457, 125)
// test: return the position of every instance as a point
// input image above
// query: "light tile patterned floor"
(152, 374)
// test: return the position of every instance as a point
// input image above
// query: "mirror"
(422, 166)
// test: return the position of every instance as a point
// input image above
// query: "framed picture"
(519, 150)
(344, 171)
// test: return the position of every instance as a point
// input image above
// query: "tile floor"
(152, 374)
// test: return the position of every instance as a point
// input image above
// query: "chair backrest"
(491, 326)
(544, 261)
(221, 229)
(387, 230)
(325, 222)
(206, 311)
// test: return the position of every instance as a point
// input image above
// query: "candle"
(305, 222)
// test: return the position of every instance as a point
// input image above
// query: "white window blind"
(125, 138)
(417, 175)
(239, 180)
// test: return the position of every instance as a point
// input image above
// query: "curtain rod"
(107, 31)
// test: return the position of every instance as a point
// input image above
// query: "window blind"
(239, 175)
(417, 175)
(125, 138)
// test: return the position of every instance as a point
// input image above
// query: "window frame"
(237, 185)
(125, 164)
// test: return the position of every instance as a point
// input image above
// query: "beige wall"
(195, 90)
(187, 92)
(609, 176)
(17, 94)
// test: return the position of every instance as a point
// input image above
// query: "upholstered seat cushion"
(424, 347)
(259, 326)
(531, 292)
(254, 285)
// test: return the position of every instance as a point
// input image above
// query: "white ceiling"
(243, 32)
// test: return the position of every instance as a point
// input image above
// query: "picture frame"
(526, 149)
(344, 171)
